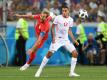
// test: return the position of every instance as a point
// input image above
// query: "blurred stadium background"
(7, 30)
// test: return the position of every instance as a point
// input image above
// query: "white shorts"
(61, 42)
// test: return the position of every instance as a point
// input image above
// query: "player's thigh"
(70, 47)
(55, 46)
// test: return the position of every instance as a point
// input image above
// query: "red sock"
(32, 56)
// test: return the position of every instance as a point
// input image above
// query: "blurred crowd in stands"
(35, 6)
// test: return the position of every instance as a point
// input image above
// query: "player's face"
(65, 12)
(43, 16)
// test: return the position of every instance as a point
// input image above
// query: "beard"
(43, 19)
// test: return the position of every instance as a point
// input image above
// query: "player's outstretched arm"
(38, 41)
(25, 16)
(72, 37)
(35, 47)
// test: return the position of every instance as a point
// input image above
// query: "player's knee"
(75, 54)
(49, 54)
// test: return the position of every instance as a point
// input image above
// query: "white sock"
(44, 62)
(73, 64)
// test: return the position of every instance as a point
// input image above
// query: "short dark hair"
(64, 6)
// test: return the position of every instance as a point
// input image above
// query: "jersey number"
(65, 24)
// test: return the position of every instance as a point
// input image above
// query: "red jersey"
(42, 27)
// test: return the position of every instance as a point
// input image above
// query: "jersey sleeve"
(49, 18)
(52, 15)
(36, 16)
(55, 20)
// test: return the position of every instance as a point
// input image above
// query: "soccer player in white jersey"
(60, 31)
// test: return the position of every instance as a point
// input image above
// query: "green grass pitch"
(54, 73)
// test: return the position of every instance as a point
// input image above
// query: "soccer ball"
(83, 14)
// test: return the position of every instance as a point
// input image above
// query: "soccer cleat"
(38, 73)
(74, 75)
(24, 67)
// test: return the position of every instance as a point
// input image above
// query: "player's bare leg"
(44, 62)
(32, 54)
(73, 64)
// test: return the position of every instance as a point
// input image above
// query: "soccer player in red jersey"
(41, 28)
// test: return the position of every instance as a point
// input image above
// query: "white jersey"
(61, 34)
(62, 26)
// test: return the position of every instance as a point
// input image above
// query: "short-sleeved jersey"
(62, 26)
(42, 26)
